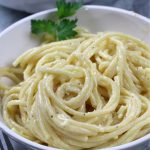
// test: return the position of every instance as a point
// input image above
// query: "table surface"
(9, 16)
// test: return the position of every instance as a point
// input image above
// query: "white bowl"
(17, 39)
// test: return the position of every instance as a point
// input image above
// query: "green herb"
(62, 28)
(43, 26)
(67, 9)
(58, 30)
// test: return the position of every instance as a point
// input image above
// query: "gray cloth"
(9, 16)
(139, 6)
(33, 6)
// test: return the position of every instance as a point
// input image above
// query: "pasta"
(90, 92)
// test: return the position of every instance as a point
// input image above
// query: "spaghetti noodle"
(86, 93)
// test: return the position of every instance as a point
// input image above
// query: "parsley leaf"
(62, 28)
(60, 31)
(65, 29)
(67, 9)
(43, 26)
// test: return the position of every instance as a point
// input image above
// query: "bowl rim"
(24, 141)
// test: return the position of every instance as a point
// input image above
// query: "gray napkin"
(9, 16)
(139, 6)
(32, 6)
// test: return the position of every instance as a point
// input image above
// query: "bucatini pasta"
(90, 92)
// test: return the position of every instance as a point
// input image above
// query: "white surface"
(17, 39)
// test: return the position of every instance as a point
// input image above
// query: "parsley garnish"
(43, 26)
(62, 28)
(67, 9)
(65, 29)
